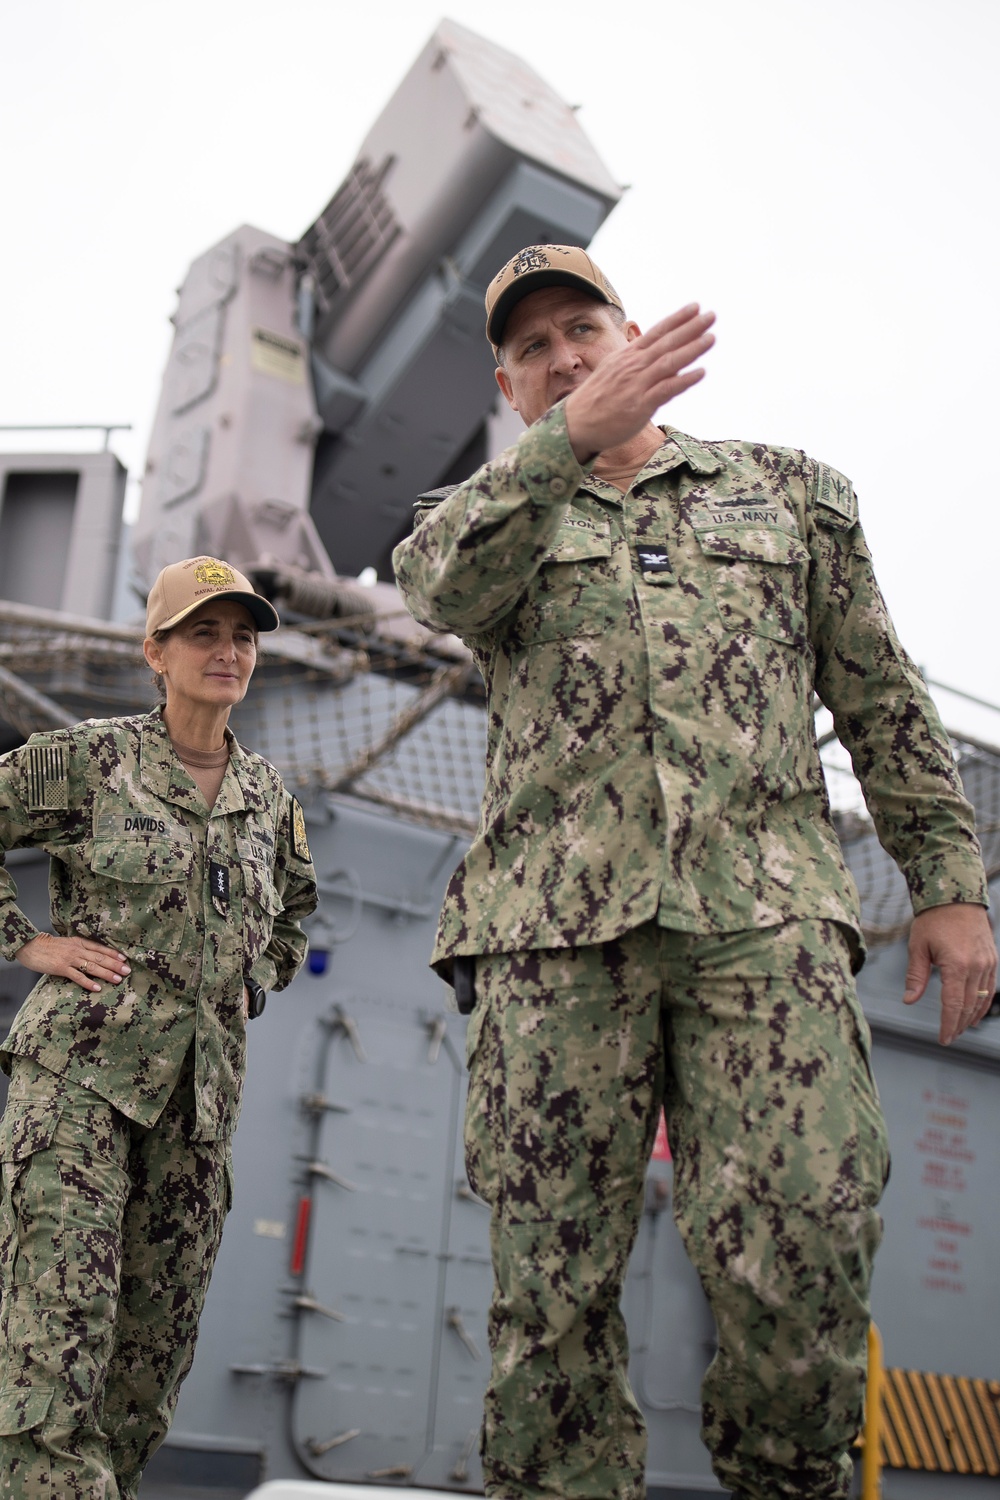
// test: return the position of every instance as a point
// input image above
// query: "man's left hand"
(958, 940)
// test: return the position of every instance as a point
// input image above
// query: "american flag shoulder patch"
(46, 774)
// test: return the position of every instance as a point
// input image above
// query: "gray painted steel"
(231, 452)
(366, 1362)
(60, 520)
(366, 336)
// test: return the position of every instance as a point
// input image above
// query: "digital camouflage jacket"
(195, 902)
(651, 663)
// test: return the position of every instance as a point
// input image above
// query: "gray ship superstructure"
(312, 390)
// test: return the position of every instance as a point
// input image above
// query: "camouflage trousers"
(109, 1233)
(755, 1045)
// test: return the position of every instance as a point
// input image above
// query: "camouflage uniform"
(115, 1144)
(654, 786)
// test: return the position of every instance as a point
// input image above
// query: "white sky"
(823, 173)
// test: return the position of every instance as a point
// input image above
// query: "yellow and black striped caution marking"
(946, 1424)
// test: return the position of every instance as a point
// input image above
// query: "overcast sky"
(823, 173)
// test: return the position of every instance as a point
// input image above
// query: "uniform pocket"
(261, 902)
(31, 1204)
(258, 880)
(481, 1164)
(141, 899)
(759, 577)
(474, 1031)
(23, 1410)
(230, 1182)
(873, 1140)
(569, 596)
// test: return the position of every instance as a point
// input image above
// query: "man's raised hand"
(620, 396)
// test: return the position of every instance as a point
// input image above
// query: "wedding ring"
(83, 965)
(981, 994)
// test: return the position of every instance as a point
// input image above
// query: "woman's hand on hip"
(77, 958)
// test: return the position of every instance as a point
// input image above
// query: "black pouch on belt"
(258, 998)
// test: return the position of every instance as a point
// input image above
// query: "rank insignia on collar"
(300, 844)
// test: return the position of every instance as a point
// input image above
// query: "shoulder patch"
(300, 844)
(46, 778)
(434, 497)
(835, 496)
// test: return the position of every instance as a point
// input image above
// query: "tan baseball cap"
(183, 586)
(542, 265)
